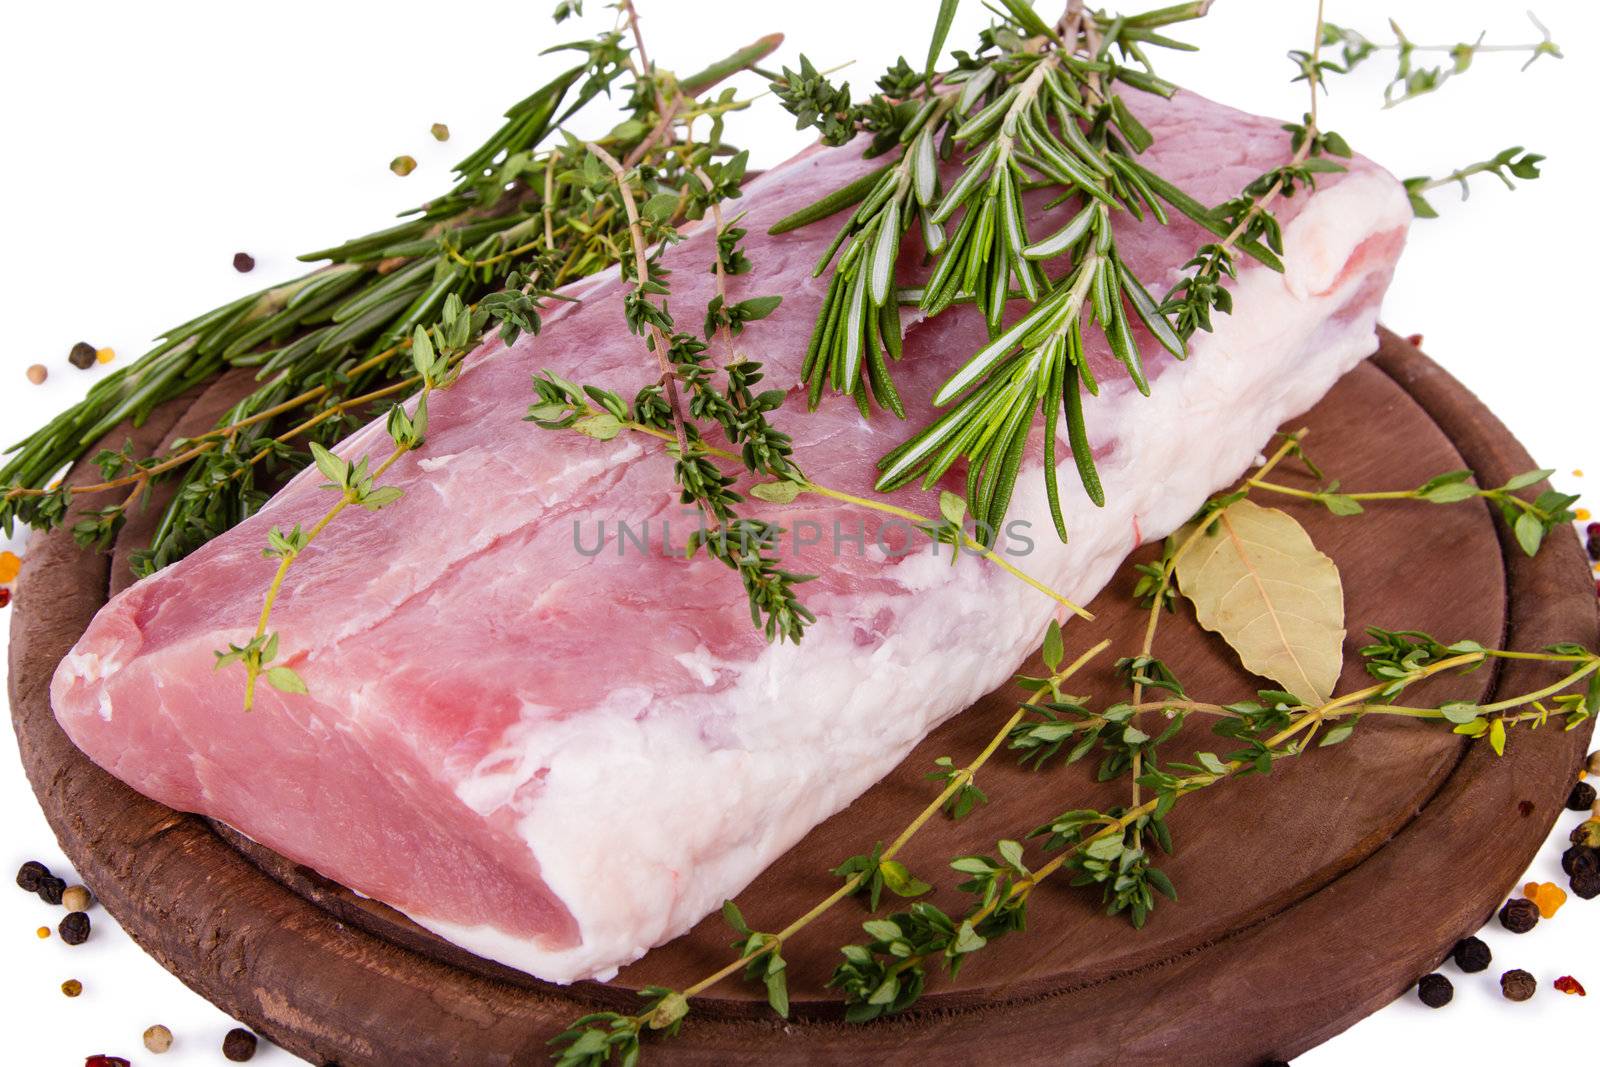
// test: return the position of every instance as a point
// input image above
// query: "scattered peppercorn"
(51, 888)
(1570, 986)
(1525, 808)
(1580, 859)
(440, 131)
(1471, 955)
(403, 165)
(100, 1059)
(1518, 985)
(1435, 990)
(1581, 798)
(1586, 886)
(82, 355)
(158, 1039)
(72, 987)
(75, 928)
(1594, 757)
(244, 262)
(10, 566)
(105, 355)
(1587, 833)
(239, 1045)
(38, 373)
(76, 898)
(29, 873)
(1519, 915)
(43, 932)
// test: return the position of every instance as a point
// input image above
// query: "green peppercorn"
(403, 165)
(29, 874)
(1518, 985)
(239, 1045)
(1587, 833)
(1435, 990)
(74, 928)
(82, 355)
(71, 987)
(1519, 915)
(1471, 955)
(1581, 798)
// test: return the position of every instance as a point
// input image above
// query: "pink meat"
(495, 714)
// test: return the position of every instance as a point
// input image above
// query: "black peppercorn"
(82, 355)
(51, 888)
(239, 1045)
(1586, 885)
(74, 929)
(1519, 915)
(1580, 859)
(1581, 798)
(29, 873)
(1435, 990)
(1471, 955)
(244, 262)
(1518, 985)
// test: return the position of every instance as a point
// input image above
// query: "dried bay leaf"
(1258, 581)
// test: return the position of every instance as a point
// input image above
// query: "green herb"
(1411, 80)
(1512, 163)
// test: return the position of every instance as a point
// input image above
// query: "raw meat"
(559, 758)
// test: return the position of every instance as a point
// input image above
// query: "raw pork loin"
(559, 759)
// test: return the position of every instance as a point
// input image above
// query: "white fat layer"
(652, 811)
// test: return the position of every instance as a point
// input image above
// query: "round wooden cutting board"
(1308, 898)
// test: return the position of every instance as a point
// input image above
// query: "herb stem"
(959, 779)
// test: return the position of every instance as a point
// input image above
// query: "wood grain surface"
(1308, 898)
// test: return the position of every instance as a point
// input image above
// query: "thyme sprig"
(602, 414)
(436, 354)
(1530, 521)
(1411, 80)
(890, 971)
(1511, 163)
(592, 1040)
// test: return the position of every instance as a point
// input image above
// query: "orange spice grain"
(10, 567)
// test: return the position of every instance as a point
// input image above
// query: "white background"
(143, 144)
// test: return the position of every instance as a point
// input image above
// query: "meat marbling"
(560, 758)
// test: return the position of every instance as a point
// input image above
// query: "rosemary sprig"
(1036, 108)
(324, 344)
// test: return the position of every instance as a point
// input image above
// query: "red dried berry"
(5, 596)
(244, 262)
(1415, 340)
(100, 1059)
(1570, 985)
